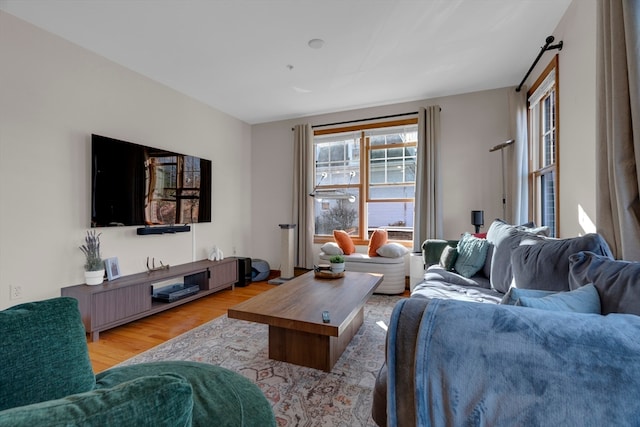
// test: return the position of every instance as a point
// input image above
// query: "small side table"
(416, 269)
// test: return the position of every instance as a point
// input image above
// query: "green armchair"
(47, 379)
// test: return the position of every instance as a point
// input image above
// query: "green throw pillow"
(448, 258)
(582, 300)
(163, 400)
(43, 353)
(472, 252)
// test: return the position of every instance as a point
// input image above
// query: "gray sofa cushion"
(443, 284)
(504, 238)
(617, 282)
(544, 265)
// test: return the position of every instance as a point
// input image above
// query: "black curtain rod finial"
(543, 49)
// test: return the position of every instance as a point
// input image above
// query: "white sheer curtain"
(518, 164)
(428, 200)
(302, 202)
(618, 126)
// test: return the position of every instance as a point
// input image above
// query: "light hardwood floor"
(119, 344)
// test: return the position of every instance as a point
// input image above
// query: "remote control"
(325, 317)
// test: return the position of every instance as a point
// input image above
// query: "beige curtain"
(618, 126)
(428, 201)
(517, 165)
(302, 202)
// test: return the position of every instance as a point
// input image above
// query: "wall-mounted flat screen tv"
(133, 184)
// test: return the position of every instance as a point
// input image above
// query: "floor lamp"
(501, 147)
(286, 255)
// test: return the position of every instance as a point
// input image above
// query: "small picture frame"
(112, 267)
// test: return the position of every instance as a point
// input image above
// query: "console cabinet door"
(223, 275)
(117, 304)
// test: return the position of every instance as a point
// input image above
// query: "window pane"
(395, 165)
(337, 159)
(336, 214)
(397, 217)
(547, 201)
(548, 130)
(387, 136)
(392, 192)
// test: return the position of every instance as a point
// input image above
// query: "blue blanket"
(495, 365)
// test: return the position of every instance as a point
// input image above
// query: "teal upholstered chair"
(46, 379)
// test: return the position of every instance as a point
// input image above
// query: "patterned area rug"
(299, 396)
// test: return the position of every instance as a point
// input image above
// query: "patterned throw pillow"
(472, 252)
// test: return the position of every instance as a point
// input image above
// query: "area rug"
(299, 396)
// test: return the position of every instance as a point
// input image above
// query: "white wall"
(578, 119)
(577, 142)
(53, 96)
(470, 125)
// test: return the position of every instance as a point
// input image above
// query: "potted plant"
(94, 265)
(337, 263)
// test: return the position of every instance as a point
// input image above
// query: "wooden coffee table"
(294, 309)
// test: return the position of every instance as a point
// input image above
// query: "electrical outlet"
(15, 291)
(234, 250)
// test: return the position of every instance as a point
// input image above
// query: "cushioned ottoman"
(260, 270)
(392, 268)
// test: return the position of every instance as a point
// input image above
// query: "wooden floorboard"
(121, 343)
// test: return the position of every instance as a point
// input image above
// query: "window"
(366, 180)
(543, 148)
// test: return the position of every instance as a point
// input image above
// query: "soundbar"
(163, 229)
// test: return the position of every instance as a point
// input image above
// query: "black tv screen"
(133, 184)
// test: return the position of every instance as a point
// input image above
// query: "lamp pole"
(501, 147)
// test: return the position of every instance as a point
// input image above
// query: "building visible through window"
(366, 180)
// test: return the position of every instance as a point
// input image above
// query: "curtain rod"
(543, 49)
(364, 120)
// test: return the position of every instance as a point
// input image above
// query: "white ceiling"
(235, 54)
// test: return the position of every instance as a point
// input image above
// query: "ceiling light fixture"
(316, 43)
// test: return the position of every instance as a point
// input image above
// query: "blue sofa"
(460, 363)
(46, 379)
(544, 334)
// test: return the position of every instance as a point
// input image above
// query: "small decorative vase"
(94, 277)
(337, 267)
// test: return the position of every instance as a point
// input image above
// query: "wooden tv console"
(129, 298)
